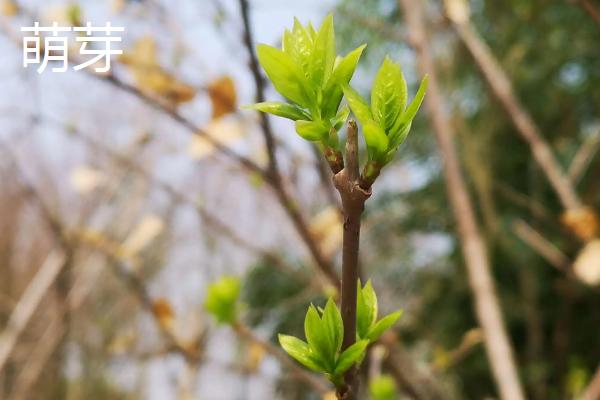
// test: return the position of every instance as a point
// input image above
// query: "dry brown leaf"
(255, 353)
(162, 310)
(150, 77)
(223, 130)
(327, 229)
(222, 96)
(587, 263)
(582, 221)
(9, 8)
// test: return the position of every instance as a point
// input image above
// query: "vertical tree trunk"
(487, 309)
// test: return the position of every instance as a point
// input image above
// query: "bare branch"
(500, 353)
(541, 245)
(501, 86)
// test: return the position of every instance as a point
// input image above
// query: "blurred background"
(124, 195)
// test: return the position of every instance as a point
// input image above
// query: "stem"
(353, 202)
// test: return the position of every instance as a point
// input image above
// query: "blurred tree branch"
(458, 13)
(499, 350)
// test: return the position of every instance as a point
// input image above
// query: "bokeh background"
(123, 195)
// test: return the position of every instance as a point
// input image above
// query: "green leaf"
(341, 118)
(366, 311)
(410, 112)
(221, 299)
(285, 74)
(377, 141)
(323, 53)
(341, 75)
(351, 356)
(396, 140)
(284, 110)
(332, 321)
(312, 130)
(317, 337)
(357, 104)
(383, 324)
(383, 388)
(298, 44)
(388, 96)
(299, 351)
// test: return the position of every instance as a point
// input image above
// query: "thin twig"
(317, 384)
(501, 86)
(541, 245)
(583, 157)
(487, 308)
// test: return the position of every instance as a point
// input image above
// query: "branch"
(317, 384)
(501, 87)
(353, 203)
(499, 351)
(29, 302)
(592, 391)
(542, 246)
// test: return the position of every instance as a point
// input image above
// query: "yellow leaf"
(164, 314)
(85, 179)
(224, 131)
(222, 96)
(146, 231)
(9, 8)
(327, 229)
(587, 263)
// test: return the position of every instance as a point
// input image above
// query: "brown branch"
(259, 85)
(273, 174)
(353, 203)
(317, 384)
(583, 157)
(487, 309)
(592, 391)
(590, 9)
(542, 246)
(501, 87)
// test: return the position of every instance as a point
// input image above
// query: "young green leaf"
(312, 130)
(357, 104)
(388, 96)
(221, 299)
(366, 311)
(298, 44)
(351, 356)
(383, 388)
(341, 75)
(333, 326)
(341, 117)
(318, 338)
(300, 351)
(284, 110)
(377, 141)
(323, 53)
(383, 324)
(286, 75)
(411, 111)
